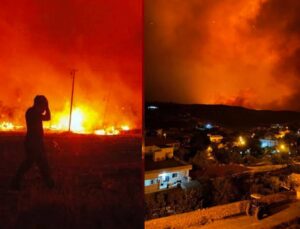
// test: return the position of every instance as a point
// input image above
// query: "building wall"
(165, 180)
(175, 145)
(215, 138)
(268, 143)
(152, 188)
(194, 218)
(170, 180)
(163, 153)
(150, 149)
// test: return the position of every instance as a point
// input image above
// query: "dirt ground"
(99, 184)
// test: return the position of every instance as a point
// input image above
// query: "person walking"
(34, 143)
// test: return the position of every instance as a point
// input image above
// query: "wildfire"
(112, 130)
(77, 119)
(84, 121)
(9, 126)
(108, 131)
(6, 126)
(125, 128)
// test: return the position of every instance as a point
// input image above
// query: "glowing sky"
(223, 51)
(41, 40)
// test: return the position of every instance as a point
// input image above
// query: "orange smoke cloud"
(231, 52)
(41, 41)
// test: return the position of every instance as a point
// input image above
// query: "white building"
(268, 142)
(163, 171)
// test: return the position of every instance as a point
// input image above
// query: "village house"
(163, 170)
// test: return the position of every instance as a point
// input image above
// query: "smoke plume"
(225, 51)
(41, 41)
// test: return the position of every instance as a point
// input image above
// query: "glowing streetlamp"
(282, 147)
(241, 141)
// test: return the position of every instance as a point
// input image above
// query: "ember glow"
(7, 126)
(125, 127)
(41, 41)
(242, 53)
(108, 131)
(85, 121)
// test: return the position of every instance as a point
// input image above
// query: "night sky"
(244, 53)
(40, 41)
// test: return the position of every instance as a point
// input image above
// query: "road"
(265, 168)
(288, 213)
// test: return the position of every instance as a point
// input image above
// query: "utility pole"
(73, 71)
(106, 104)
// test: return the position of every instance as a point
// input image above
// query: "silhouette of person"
(34, 143)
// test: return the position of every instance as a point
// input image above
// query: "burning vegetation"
(84, 117)
(41, 41)
(84, 120)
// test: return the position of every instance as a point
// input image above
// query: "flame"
(100, 132)
(77, 119)
(125, 128)
(84, 121)
(108, 131)
(6, 126)
(9, 126)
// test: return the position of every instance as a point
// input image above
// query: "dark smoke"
(40, 41)
(232, 52)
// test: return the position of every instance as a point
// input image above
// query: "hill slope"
(177, 115)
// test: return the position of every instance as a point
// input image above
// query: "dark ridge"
(185, 115)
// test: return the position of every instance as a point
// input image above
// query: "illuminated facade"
(264, 143)
(163, 171)
(161, 179)
(215, 138)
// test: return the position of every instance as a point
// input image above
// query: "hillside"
(182, 115)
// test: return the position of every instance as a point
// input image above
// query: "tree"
(199, 141)
(255, 146)
(227, 156)
(200, 159)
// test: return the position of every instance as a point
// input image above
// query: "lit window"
(152, 107)
(148, 182)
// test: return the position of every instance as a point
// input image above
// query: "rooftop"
(157, 165)
(149, 141)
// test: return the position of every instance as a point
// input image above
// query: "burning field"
(85, 58)
(82, 122)
(41, 43)
(98, 183)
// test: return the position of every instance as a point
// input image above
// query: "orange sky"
(243, 53)
(40, 41)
